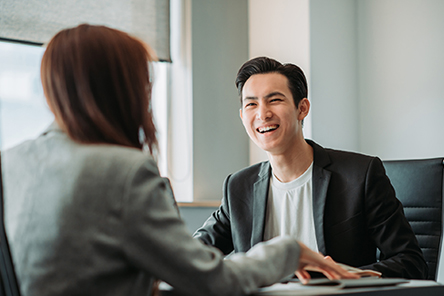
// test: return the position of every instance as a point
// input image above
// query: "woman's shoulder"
(115, 157)
(57, 153)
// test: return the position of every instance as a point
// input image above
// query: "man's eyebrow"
(275, 93)
(270, 95)
(250, 98)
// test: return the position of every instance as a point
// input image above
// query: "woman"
(86, 210)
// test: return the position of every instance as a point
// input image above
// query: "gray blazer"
(99, 220)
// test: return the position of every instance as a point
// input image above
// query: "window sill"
(200, 204)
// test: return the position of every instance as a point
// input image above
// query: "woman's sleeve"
(157, 241)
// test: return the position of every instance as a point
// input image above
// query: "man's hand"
(313, 261)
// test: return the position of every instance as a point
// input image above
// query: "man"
(339, 203)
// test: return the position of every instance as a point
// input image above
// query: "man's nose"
(263, 112)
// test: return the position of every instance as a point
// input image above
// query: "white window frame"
(180, 114)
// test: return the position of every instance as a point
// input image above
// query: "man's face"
(269, 114)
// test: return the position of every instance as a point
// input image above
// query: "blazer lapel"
(260, 193)
(321, 180)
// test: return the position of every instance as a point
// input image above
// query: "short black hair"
(297, 83)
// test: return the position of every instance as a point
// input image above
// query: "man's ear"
(304, 108)
(240, 114)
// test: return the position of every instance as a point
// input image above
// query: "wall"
(376, 74)
(401, 71)
(334, 80)
(219, 47)
(194, 217)
(280, 29)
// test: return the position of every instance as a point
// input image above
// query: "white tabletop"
(294, 288)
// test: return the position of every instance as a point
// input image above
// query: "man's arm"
(389, 228)
(216, 231)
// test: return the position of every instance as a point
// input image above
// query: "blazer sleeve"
(400, 255)
(155, 239)
(216, 231)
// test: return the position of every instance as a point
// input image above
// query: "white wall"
(376, 70)
(219, 47)
(279, 29)
(334, 79)
(401, 74)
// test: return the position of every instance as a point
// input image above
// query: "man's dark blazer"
(354, 208)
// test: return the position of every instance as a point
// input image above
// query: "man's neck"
(292, 164)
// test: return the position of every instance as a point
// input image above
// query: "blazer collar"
(320, 155)
(260, 194)
(320, 180)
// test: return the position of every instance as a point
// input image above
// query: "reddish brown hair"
(97, 83)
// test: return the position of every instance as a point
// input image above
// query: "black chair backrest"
(8, 280)
(419, 186)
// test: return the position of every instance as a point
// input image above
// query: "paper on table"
(358, 283)
(326, 286)
(293, 288)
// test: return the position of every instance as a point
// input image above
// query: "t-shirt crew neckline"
(301, 180)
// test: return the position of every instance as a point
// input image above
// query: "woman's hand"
(313, 261)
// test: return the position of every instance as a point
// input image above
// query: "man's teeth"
(267, 128)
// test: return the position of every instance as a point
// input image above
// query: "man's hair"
(97, 83)
(297, 83)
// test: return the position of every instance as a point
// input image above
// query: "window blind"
(36, 21)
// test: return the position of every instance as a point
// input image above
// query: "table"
(412, 288)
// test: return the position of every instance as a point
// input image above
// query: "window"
(23, 110)
(159, 101)
(24, 113)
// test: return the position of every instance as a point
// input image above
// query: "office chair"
(419, 186)
(8, 280)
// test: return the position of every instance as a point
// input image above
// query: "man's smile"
(268, 128)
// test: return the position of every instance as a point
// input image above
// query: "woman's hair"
(97, 83)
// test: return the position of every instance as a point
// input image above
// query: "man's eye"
(275, 100)
(249, 105)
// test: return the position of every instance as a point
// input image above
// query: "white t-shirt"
(290, 209)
